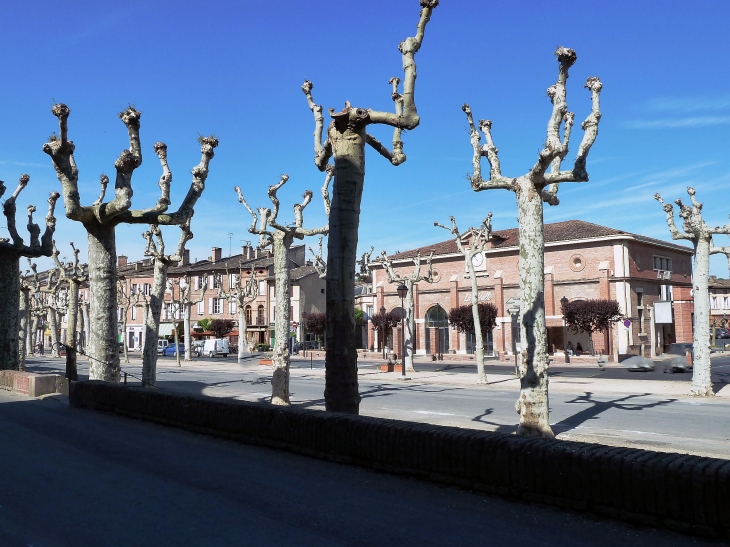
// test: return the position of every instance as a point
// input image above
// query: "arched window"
(260, 318)
(249, 314)
(437, 330)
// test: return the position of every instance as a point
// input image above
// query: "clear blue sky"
(235, 69)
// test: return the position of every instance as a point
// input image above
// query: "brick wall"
(679, 491)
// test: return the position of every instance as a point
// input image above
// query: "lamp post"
(439, 355)
(514, 311)
(382, 330)
(563, 303)
(304, 333)
(402, 292)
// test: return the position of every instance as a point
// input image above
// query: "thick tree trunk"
(53, 326)
(85, 320)
(152, 325)
(410, 327)
(32, 334)
(23, 324)
(242, 328)
(177, 346)
(532, 405)
(478, 338)
(702, 369)
(341, 384)
(102, 326)
(71, 344)
(9, 307)
(280, 359)
(186, 325)
(124, 335)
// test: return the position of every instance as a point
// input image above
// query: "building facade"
(649, 278)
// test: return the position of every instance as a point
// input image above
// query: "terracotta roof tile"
(569, 230)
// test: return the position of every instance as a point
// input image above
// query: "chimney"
(136, 266)
(185, 258)
(309, 263)
(121, 260)
(256, 252)
(216, 254)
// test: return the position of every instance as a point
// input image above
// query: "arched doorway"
(437, 330)
(488, 343)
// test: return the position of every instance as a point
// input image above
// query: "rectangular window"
(641, 320)
(725, 302)
(662, 263)
(134, 288)
(232, 308)
(217, 281)
(262, 287)
(369, 312)
(639, 297)
(232, 280)
(217, 305)
(665, 292)
(713, 302)
(134, 313)
(201, 308)
(147, 289)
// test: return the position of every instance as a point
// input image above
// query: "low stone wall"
(678, 491)
(31, 384)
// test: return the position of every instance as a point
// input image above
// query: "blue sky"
(235, 69)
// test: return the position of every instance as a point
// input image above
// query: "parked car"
(121, 347)
(216, 346)
(722, 333)
(172, 349)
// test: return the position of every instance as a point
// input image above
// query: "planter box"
(391, 368)
(267, 362)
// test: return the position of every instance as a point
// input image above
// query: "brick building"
(307, 293)
(650, 279)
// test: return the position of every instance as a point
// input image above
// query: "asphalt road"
(643, 419)
(76, 477)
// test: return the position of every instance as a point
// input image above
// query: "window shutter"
(134, 313)
(201, 308)
(232, 308)
(211, 281)
(210, 305)
(195, 283)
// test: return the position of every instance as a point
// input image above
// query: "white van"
(161, 345)
(216, 346)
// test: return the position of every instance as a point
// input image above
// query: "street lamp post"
(514, 313)
(563, 303)
(382, 330)
(402, 291)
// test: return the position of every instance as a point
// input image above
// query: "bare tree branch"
(322, 153)
(319, 264)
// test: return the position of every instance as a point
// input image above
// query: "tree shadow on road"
(499, 428)
(597, 407)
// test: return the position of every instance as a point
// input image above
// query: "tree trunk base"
(701, 392)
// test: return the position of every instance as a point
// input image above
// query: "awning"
(165, 329)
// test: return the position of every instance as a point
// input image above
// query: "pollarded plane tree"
(50, 301)
(241, 293)
(186, 301)
(161, 263)
(100, 220)
(345, 139)
(531, 189)
(319, 263)
(11, 249)
(409, 281)
(281, 237)
(24, 319)
(364, 272)
(126, 300)
(75, 275)
(479, 239)
(700, 234)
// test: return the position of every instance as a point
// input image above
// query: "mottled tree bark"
(700, 234)
(23, 324)
(280, 237)
(531, 190)
(345, 140)
(157, 297)
(101, 218)
(410, 319)
(187, 302)
(241, 293)
(10, 252)
(478, 243)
